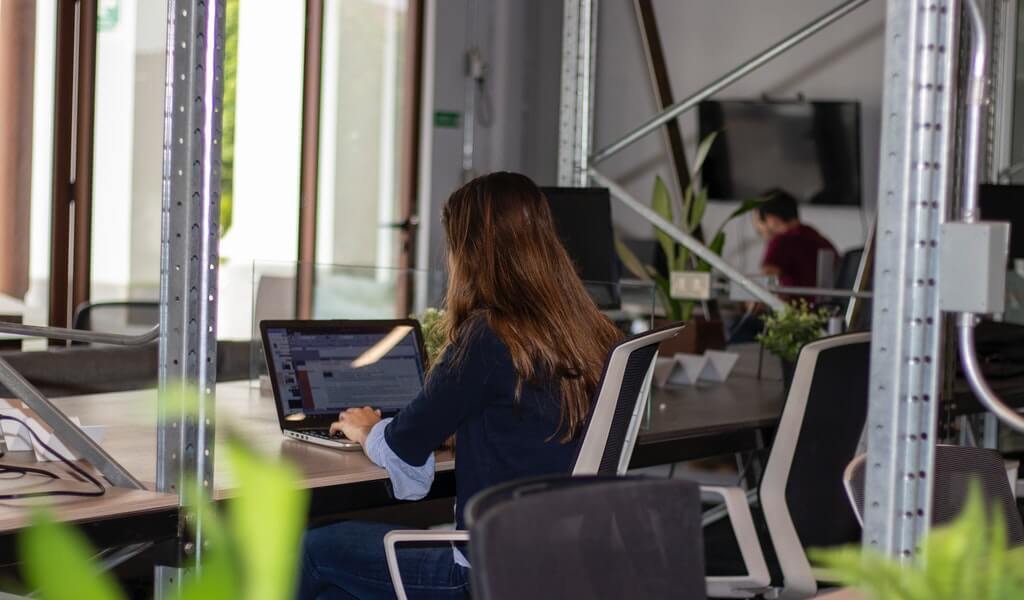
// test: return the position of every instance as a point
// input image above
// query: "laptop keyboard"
(325, 434)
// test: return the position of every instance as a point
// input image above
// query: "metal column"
(917, 163)
(576, 119)
(189, 258)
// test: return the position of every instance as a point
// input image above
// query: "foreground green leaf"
(965, 559)
(57, 563)
(267, 519)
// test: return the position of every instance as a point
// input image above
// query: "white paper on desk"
(718, 366)
(18, 437)
(681, 369)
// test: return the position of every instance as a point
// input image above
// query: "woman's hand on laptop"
(356, 423)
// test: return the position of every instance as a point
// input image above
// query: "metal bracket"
(66, 430)
(80, 335)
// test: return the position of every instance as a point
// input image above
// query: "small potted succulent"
(786, 331)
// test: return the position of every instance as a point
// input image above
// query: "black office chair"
(760, 549)
(608, 436)
(849, 264)
(587, 537)
(127, 317)
(955, 467)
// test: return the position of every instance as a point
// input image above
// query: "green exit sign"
(447, 119)
(108, 13)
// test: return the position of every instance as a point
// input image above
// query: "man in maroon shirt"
(791, 255)
(792, 250)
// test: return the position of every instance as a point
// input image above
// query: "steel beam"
(692, 243)
(189, 255)
(80, 335)
(576, 119)
(718, 85)
(915, 181)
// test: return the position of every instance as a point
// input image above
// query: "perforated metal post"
(189, 256)
(575, 123)
(915, 183)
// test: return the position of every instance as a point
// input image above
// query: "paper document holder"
(688, 369)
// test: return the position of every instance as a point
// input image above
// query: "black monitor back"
(583, 217)
(1005, 203)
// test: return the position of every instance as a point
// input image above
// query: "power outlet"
(690, 285)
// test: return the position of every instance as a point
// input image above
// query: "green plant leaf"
(965, 559)
(56, 561)
(630, 260)
(700, 205)
(682, 257)
(218, 576)
(267, 519)
(716, 246)
(661, 203)
(684, 210)
(787, 330)
(702, 154)
(746, 206)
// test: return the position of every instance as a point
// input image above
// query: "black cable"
(100, 490)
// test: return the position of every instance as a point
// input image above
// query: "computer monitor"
(1005, 203)
(583, 218)
(809, 148)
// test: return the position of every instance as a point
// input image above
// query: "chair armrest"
(397, 536)
(757, 578)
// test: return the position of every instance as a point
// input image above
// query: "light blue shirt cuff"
(409, 482)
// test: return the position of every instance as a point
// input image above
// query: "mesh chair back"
(584, 537)
(802, 491)
(833, 422)
(614, 419)
(129, 317)
(955, 468)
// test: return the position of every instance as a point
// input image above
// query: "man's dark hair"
(779, 203)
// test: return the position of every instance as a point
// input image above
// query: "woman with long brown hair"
(524, 349)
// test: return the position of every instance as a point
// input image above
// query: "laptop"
(320, 368)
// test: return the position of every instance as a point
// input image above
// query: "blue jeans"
(346, 560)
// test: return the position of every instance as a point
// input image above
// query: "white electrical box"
(972, 267)
(690, 285)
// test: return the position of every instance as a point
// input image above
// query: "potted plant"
(787, 330)
(700, 334)
(432, 324)
(968, 558)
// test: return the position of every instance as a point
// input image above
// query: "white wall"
(702, 39)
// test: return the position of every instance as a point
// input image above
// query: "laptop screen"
(327, 371)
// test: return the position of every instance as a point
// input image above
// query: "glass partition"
(357, 292)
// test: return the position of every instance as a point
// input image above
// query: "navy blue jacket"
(471, 392)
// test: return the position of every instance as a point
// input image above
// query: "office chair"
(587, 537)
(608, 436)
(955, 467)
(849, 264)
(127, 317)
(800, 502)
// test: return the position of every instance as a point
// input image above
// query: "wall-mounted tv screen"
(809, 149)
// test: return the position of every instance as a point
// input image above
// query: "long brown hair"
(507, 265)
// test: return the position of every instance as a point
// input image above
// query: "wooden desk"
(130, 419)
(686, 422)
(119, 518)
(709, 419)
